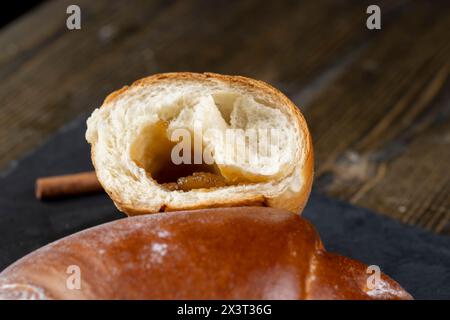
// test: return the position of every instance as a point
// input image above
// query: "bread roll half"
(180, 141)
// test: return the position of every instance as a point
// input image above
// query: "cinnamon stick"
(67, 185)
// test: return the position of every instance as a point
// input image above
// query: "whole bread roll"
(266, 160)
(224, 253)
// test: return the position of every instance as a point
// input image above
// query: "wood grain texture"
(377, 101)
(381, 130)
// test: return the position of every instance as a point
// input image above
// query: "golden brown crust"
(114, 95)
(288, 200)
(257, 201)
(226, 253)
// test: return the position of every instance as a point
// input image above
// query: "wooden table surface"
(377, 102)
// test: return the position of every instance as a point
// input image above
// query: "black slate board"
(418, 260)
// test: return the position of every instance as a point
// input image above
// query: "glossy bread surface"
(226, 253)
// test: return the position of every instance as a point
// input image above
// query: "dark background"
(16, 9)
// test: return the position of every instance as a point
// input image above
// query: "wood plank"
(56, 74)
(380, 135)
